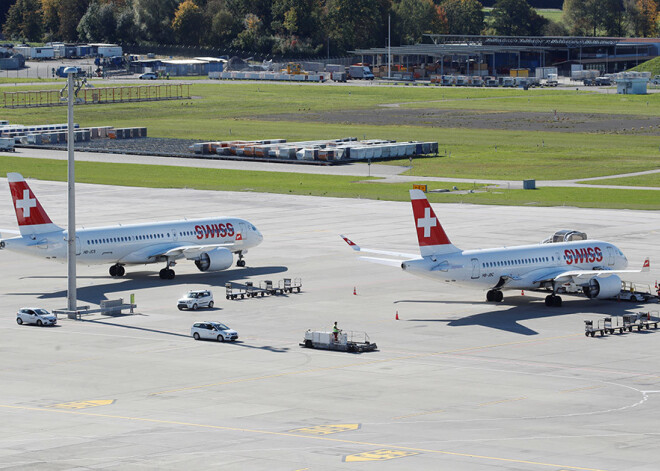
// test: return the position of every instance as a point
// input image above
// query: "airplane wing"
(357, 248)
(382, 261)
(169, 250)
(192, 251)
(582, 277)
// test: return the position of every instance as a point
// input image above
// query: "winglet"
(647, 265)
(350, 243)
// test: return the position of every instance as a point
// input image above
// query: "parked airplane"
(566, 263)
(210, 242)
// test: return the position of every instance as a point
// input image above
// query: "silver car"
(213, 331)
(35, 315)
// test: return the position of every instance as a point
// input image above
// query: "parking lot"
(457, 383)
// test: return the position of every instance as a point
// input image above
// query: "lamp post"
(72, 304)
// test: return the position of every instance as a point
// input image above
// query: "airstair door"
(475, 268)
(610, 255)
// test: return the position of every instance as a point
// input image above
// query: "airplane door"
(175, 235)
(557, 258)
(475, 268)
(610, 255)
(77, 245)
(242, 232)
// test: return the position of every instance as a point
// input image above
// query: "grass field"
(240, 111)
(551, 14)
(320, 185)
(650, 180)
(652, 66)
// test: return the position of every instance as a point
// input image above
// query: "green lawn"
(652, 66)
(552, 14)
(320, 185)
(650, 180)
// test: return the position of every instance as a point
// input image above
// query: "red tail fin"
(430, 234)
(31, 216)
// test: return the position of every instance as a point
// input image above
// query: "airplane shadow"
(134, 281)
(238, 343)
(520, 311)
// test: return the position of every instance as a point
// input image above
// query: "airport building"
(498, 55)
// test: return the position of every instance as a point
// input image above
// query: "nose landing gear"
(240, 262)
(117, 270)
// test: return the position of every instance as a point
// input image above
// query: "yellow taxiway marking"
(586, 388)
(326, 429)
(295, 435)
(83, 404)
(418, 414)
(379, 455)
(372, 362)
(501, 401)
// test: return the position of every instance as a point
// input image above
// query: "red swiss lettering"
(592, 257)
(599, 254)
(230, 229)
(199, 232)
(223, 230)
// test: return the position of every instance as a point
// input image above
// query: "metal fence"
(87, 96)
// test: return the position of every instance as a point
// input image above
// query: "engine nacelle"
(214, 260)
(602, 287)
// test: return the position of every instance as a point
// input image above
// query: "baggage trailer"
(234, 293)
(287, 285)
(603, 326)
(641, 320)
(352, 342)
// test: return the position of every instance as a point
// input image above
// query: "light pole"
(72, 304)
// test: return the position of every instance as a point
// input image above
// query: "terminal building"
(498, 55)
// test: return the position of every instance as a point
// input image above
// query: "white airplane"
(210, 242)
(567, 263)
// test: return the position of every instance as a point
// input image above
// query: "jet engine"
(216, 259)
(601, 287)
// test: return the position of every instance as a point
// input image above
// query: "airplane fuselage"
(132, 244)
(518, 267)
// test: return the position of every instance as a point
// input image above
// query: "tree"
(70, 13)
(297, 17)
(584, 17)
(188, 23)
(50, 14)
(356, 23)
(464, 16)
(98, 24)
(644, 17)
(154, 19)
(413, 18)
(24, 20)
(516, 18)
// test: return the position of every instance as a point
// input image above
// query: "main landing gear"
(494, 295)
(167, 273)
(552, 300)
(240, 262)
(117, 270)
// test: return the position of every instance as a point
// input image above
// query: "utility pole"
(72, 303)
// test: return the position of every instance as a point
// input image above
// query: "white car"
(196, 299)
(148, 76)
(213, 331)
(35, 315)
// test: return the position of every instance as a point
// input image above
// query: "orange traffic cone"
(522, 292)
(397, 315)
(354, 291)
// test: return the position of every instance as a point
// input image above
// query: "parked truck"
(361, 72)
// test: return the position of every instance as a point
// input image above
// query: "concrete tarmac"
(457, 383)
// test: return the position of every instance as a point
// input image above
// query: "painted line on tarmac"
(307, 437)
(350, 365)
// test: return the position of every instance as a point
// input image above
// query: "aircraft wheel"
(557, 301)
(120, 270)
(170, 274)
(113, 270)
(489, 296)
(163, 274)
(240, 263)
(549, 301)
(499, 296)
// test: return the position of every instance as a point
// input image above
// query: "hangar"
(496, 55)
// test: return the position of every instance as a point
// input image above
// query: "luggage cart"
(287, 285)
(603, 326)
(266, 287)
(352, 342)
(234, 293)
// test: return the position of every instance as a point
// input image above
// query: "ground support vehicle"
(352, 342)
(265, 288)
(603, 326)
(636, 292)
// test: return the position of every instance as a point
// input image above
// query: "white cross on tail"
(26, 203)
(427, 222)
